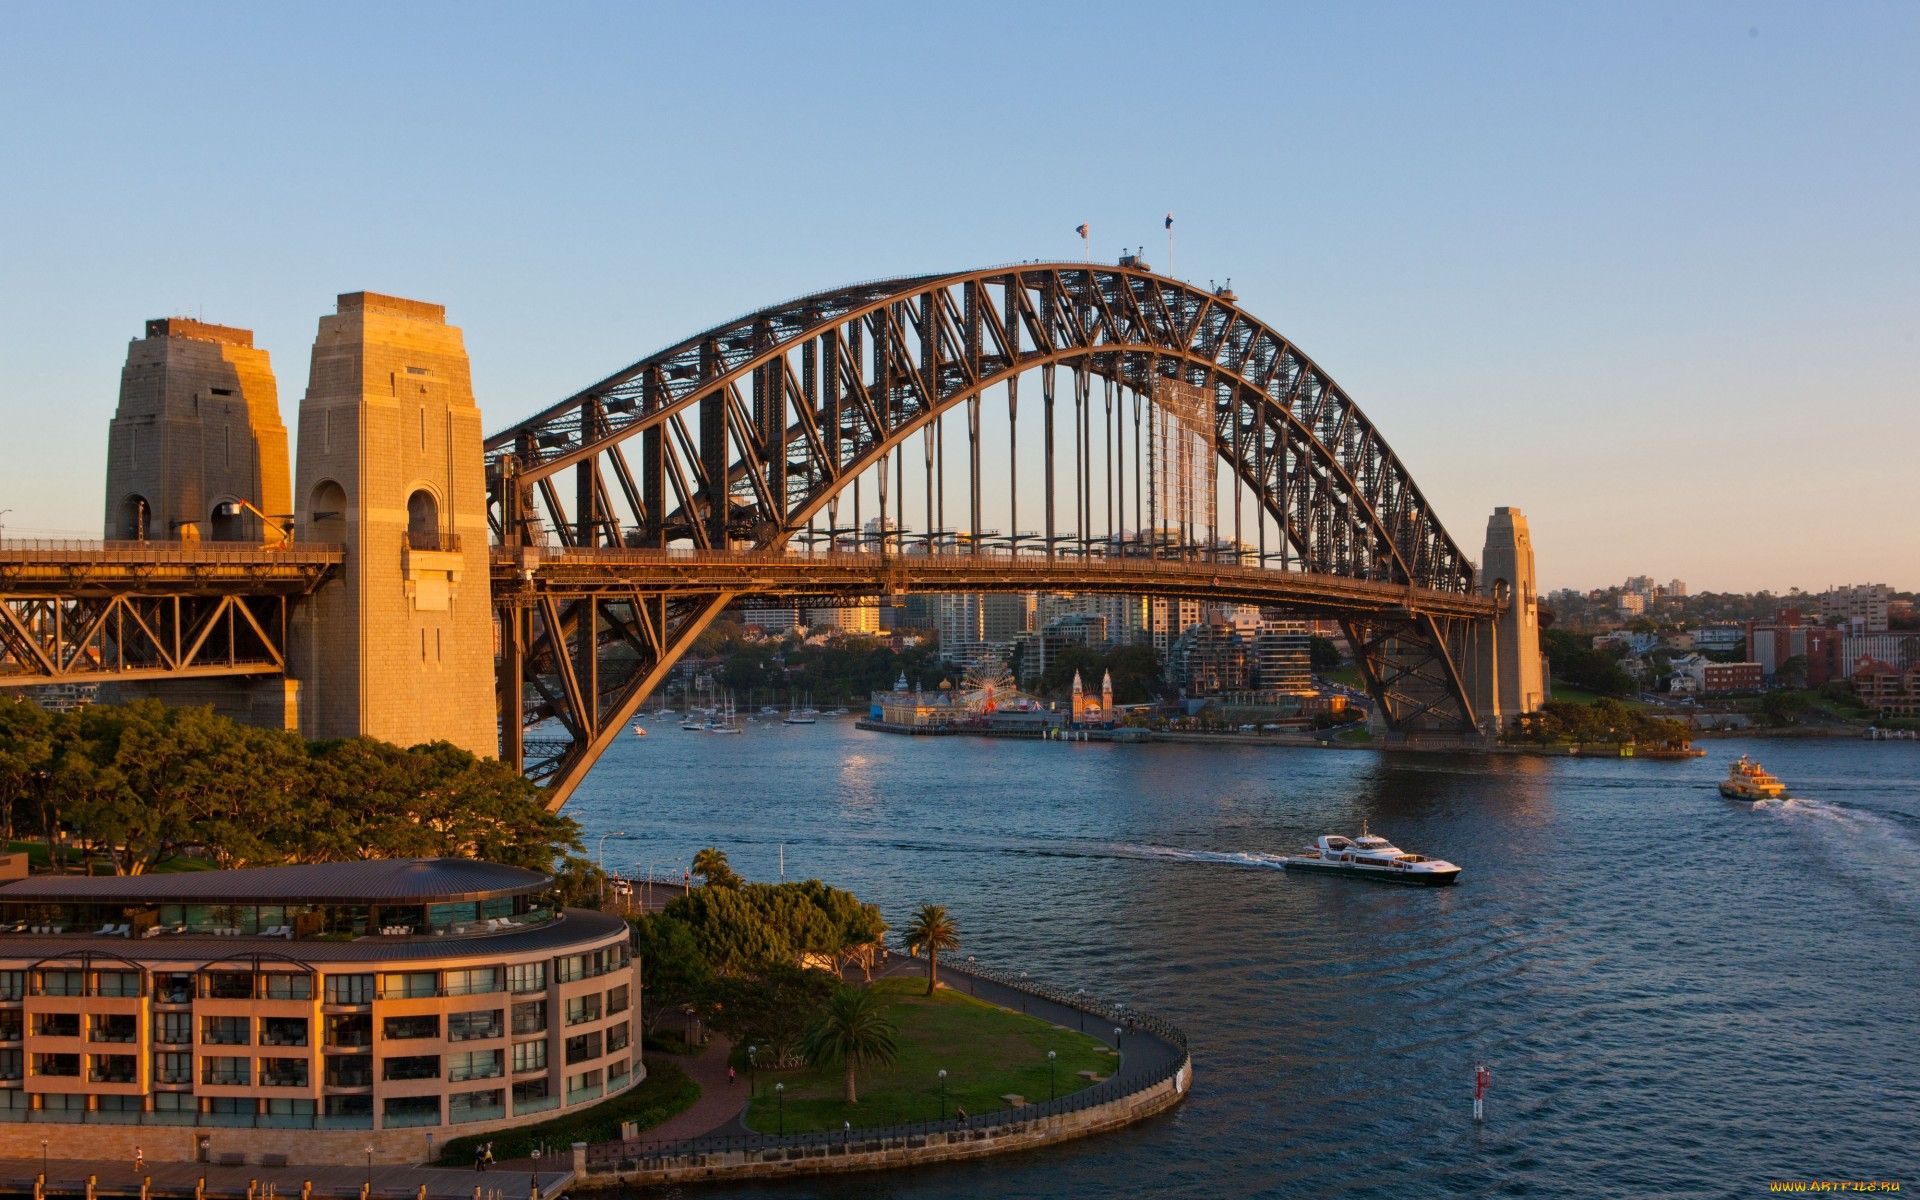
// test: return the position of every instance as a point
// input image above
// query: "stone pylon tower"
(1503, 667)
(196, 434)
(1106, 695)
(399, 645)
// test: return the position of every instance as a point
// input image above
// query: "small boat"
(800, 716)
(1748, 780)
(1371, 857)
(639, 730)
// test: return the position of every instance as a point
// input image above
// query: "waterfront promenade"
(117, 1177)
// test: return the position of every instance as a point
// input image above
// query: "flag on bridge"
(1081, 230)
(1169, 220)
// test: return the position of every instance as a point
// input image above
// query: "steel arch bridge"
(630, 514)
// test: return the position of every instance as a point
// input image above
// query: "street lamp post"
(1116, 1039)
(1050, 1088)
(780, 1101)
(369, 1170)
(943, 1093)
(973, 985)
(753, 1075)
(1023, 993)
(43, 1141)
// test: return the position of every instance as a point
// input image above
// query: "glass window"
(530, 1016)
(112, 1027)
(225, 1031)
(116, 983)
(175, 1101)
(173, 1028)
(473, 982)
(527, 977)
(402, 984)
(12, 1064)
(584, 1086)
(61, 1065)
(172, 1066)
(287, 985)
(65, 1103)
(583, 1047)
(173, 988)
(226, 1071)
(283, 1031)
(349, 1070)
(350, 1106)
(119, 1103)
(287, 1107)
(470, 1026)
(446, 916)
(530, 1095)
(350, 1029)
(111, 1068)
(56, 1025)
(283, 1072)
(230, 1106)
(13, 985)
(401, 1028)
(475, 1064)
(13, 1024)
(227, 985)
(475, 1106)
(410, 1110)
(581, 1009)
(529, 1056)
(63, 983)
(617, 999)
(617, 1036)
(570, 968)
(419, 1066)
(349, 989)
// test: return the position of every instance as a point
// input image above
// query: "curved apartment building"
(304, 1013)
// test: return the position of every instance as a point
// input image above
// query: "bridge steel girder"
(144, 611)
(751, 429)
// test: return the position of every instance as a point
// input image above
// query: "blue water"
(1678, 995)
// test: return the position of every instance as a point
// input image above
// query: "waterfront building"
(1897, 649)
(861, 618)
(1723, 639)
(770, 619)
(1038, 651)
(1730, 677)
(316, 1012)
(1789, 635)
(1210, 659)
(1167, 619)
(1892, 691)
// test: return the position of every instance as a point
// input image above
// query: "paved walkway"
(68, 1177)
(720, 1103)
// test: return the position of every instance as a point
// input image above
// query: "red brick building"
(1731, 677)
(1892, 691)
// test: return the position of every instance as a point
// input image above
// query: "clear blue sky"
(1648, 272)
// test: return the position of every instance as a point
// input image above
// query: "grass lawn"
(986, 1052)
(1349, 676)
(665, 1092)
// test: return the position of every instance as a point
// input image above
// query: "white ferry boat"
(1372, 857)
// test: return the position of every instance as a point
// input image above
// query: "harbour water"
(1677, 995)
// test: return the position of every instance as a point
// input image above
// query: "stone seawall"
(1005, 1135)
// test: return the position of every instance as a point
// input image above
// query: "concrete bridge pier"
(1501, 663)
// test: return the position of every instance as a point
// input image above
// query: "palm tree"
(850, 1029)
(712, 867)
(933, 930)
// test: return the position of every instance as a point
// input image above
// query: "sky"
(1649, 273)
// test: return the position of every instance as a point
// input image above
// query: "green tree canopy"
(850, 1028)
(932, 930)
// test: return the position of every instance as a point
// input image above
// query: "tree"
(1793, 672)
(932, 930)
(772, 1009)
(714, 870)
(851, 1029)
(26, 755)
(673, 974)
(1323, 654)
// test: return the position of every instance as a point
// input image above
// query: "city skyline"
(1572, 211)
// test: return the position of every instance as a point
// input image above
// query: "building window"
(475, 1064)
(350, 1106)
(285, 985)
(404, 1028)
(474, 982)
(476, 1106)
(283, 1072)
(173, 988)
(173, 1028)
(418, 1066)
(529, 1056)
(472, 1026)
(527, 977)
(617, 1074)
(225, 1031)
(286, 1107)
(62, 983)
(230, 1072)
(410, 1110)
(283, 1031)
(227, 985)
(116, 983)
(400, 985)
(111, 1068)
(112, 1027)
(56, 1025)
(350, 1029)
(530, 1016)
(350, 1070)
(618, 1036)
(13, 985)
(119, 1103)
(12, 1064)
(65, 1103)
(583, 1048)
(617, 999)
(585, 1086)
(581, 1009)
(349, 989)
(570, 968)
(13, 1024)
(172, 1066)
(531, 1095)
(230, 1106)
(176, 1101)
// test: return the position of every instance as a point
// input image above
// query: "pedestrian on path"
(729, 1076)
(479, 1158)
(489, 1156)
(139, 1162)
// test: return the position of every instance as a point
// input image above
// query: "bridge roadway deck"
(66, 568)
(576, 572)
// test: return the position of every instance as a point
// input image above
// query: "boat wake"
(1232, 858)
(1853, 836)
